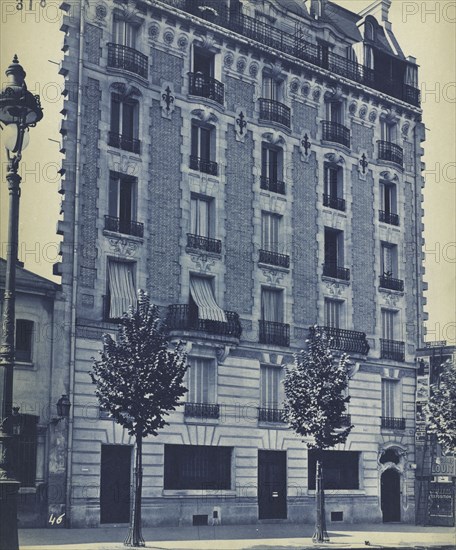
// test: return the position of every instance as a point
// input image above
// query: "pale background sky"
(424, 29)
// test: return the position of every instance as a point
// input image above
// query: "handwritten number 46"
(20, 4)
(56, 520)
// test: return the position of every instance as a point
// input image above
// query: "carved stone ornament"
(305, 146)
(203, 262)
(390, 298)
(335, 289)
(387, 175)
(222, 352)
(274, 138)
(240, 125)
(272, 276)
(363, 163)
(276, 71)
(352, 108)
(205, 116)
(125, 91)
(208, 43)
(335, 94)
(335, 158)
(123, 247)
(167, 99)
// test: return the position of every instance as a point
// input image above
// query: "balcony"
(346, 340)
(128, 59)
(274, 258)
(334, 202)
(185, 317)
(391, 283)
(388, 217)
(127, 227)
(265, 414)
(274, 111)
(125, 143)
(390, 423)
(336, 133)
(201, 410)
(273, 186)
(206, 86)
(207, 244)
(274, 333)
(392, 349)
(204, 165)
(336, 272)
(390, 152)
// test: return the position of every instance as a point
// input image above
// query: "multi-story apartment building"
(256, 167)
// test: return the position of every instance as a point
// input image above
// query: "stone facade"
(261, 98)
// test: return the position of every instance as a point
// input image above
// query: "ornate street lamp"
(19, 110)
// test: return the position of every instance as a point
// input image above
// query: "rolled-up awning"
(203, 295)
(121, 288)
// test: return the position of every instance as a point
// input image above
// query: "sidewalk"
(239, 537)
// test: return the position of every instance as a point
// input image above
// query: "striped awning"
(203, 295)
(121, 288)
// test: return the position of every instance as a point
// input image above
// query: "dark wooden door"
(391, 496)
(115, 483)
(272, 484)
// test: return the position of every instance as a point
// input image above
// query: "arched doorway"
(391, 495)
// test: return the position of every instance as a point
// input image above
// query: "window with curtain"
(124, 33)
(388, 198)
(391, 406)
(270, 231)
(389, 322)
(333, 313)
(202, 294)
(203, 142)
(270, 379)
(335, 114)
(389, 260)
(124, 122)
(271, 305)
(122, 199)
(333, 181)
(201, 380)
(24, 340)
(411, 75)
(388, 131)
(271, 88)
(271, 163)
(121, 287)
(201, 216)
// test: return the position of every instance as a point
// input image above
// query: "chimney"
(317, 8)
(378, 9)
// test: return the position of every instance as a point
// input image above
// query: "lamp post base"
(8, 514)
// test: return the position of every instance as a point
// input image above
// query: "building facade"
(256, 167)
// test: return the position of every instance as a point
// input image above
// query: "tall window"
(272, 305)
(203, 62)
(272, 88)
(124, 123)
(202, 298)
(197, 467)
(333, 188)
(270, 386)
(203, 148)
(121, 288)
(334, 247)
(391, 399)
(341, 469)
(270, 231)
(271, 163)
(388, 131)
(389, 260)
(368, 56)
(122, 203)
(124, 33)
(335, 112)
(389, 324)
(24, 339)
(201, 380)
(333, 313)
(388, 198)
(201, 216)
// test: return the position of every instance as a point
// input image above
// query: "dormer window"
(369, 32)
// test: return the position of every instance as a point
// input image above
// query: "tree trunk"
(134, 537)
(320, 535)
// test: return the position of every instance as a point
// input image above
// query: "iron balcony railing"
(274, 333)
(265, 414)
(274, 111)
(207, 244)
(392, 349)
(391, 283)
(203, 165)
(129, 59)
(127, 227)
(274, 258)
(346, 340)
(296, 46)
(336, 133)
(123, 142)
(333, 202)
(202, 410)
(274, 186)
(391, 152)
(391, 423)
(206, 86)
(185, 317)
(388, 217)
(336, 272)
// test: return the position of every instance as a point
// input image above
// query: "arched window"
(369, 33)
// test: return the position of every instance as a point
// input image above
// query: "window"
(203, 299)
(25, 463)
(334, 247)
(124, 129)
(272, 88)
(201, 216)
(340, 469)
(335, 112)
(271, 163)
(388, 198)
(124, 33)
(333, 313)
(369, 31)
(203, 62)
(197, 467)
(270, 377)
(368, 56)
(389, 322)
(121, 288)
(333, 188)
(122, 205)
(389, 260)
(203, 149)
(24, 339)
(270, 231)
(201, 380)
(391, 399)
(272, 305)
(388, 131)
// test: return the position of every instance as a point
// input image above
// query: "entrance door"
(115, 483)
(272, 485)
(391, 496)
